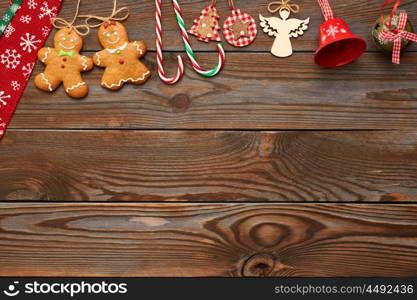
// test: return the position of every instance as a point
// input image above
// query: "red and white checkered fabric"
(244, 40)
(397, 37)
(204, 13)
(326, 9)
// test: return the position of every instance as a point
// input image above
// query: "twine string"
(81, 29)
(283, 5)
(120, 14)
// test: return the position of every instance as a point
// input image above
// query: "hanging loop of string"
(326, 9)
(283, 5)
(80, 29)
(213, 3)
(120, 14)
(392, 14)
(231, 4)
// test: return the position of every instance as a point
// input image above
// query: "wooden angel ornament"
(283, 28)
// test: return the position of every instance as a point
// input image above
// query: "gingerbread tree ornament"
(206, 27)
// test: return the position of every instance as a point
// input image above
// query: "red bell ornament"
(338, 45)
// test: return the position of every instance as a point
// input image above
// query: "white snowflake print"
(45, 30)
(27, 69)
(32, 4)
(2, 126)
(9, 30)
(10, 59)
(47, 11)
(3, 98)
(28, 43)
(25, 19)
(6, 18)
(332, 31)
(15, 85)
(14, 8)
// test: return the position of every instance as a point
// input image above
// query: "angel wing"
(297, 27)
(270, 25)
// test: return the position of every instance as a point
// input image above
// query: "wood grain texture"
(208, 240)
(360, 15)
(208, 166)
(255, 91)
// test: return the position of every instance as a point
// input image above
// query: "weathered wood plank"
(208, 240)
(360, 15)
(208, 166)
(254, 91)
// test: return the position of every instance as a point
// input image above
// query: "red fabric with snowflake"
(19, 46)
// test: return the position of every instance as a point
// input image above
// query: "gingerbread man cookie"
(120, 57)
(64, 64)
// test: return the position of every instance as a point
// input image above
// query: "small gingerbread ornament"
(64, 63)
(240, 28)
(120, 57)
(283, 29)
(206, 27)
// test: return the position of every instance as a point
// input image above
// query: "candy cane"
(189, 50)
(159, 57)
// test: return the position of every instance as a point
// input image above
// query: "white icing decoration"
(75, 86)
(98, 58)
(46, 81)
(138, 48)
(46, 55)
(121, 48)
(125, 80)
(84, 63)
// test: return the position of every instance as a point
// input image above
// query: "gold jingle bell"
(379, 26)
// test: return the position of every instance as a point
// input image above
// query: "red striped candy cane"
(159, 57)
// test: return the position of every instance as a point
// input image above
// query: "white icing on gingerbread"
(45, 57)
(138, 48)
(75, 86)
(84, 62)
(121, 48)
(46, 81)
(98, 58)
(126, 80)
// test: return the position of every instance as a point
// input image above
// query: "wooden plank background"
(274, 168)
